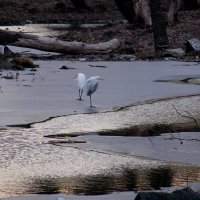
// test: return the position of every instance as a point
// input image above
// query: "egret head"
(98, 78)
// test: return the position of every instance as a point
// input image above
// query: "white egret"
(91, 86)
(80, 82)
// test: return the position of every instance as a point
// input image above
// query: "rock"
(179, 52)
(60, 7)
(8, 53)
(29, 22)
(193, 45)
(183, 194)
(82, 59)
(8, 76)
(127, 57)
(66, 67)
(33, 70)
(4, 64)
(195, 81)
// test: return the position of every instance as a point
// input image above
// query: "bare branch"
(186, 116)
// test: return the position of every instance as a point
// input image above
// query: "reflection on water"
(162, 177)
(45, 186)
(127, 180)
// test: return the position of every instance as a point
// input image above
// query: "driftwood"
(56, 45)
(7, 37)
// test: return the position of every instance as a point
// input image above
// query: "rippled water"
(124, 180)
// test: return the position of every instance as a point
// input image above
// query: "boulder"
(179, 52)
(183, 194)
(8, 53)
(193, 45)
(4, 64)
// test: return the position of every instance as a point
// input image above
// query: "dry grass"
(24, 61)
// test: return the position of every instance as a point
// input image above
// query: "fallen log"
(56, 45)
(7, 37)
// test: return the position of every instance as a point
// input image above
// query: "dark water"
(127, 180)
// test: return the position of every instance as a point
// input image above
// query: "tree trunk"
(143, 13)
(159, 28)
(80, 4)
(173, 10)
(55, 45)
(191, 4)
(126, 8)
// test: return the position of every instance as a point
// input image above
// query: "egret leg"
(90, 100)
(81, 94)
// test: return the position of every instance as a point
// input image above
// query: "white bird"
(91, 86)
(80, 82)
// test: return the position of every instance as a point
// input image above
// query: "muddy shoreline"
(154, 129)
(172, 115)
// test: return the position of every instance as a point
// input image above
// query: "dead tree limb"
(186, 116)
(55, 45)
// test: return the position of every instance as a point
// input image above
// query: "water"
(125, 180)
(51, 92)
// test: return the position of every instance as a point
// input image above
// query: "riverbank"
(151, 118)
(134, 40)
